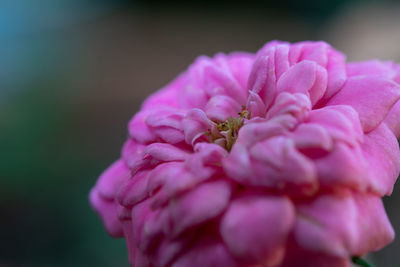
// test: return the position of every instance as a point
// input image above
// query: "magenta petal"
(206, 252)
(107, 180)
(203, 203)
(362, 92)
(106, 208)
(255, 228)
(139, 130)
(132, 152)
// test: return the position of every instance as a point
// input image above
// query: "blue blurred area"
(30, 36)
(73, 72)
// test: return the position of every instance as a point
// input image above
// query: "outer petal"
(382, 153)
(205, 202)
(393, 119)
(363, 93)
(255, 228)
(343, 225)
(106, 208)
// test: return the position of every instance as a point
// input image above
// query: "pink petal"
(341, 122)
(255, 228)
(311, 136)
(195, 124)
(382, 153)
(132, 152)
(343, 166)
(139, 130)
(222, 107)
(304, 77)
(133, 190)
(206, 252)
(106, 208)
(262, 78)
(371, 67)
(157, 153)
(393, 119)
(362, 92)
(107, 180)
(343, 225)
(277, 163)
(203, 203)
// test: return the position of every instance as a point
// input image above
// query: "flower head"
(268, 159)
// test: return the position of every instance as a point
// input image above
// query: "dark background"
(73, 72)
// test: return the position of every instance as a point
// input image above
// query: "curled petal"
(196, 124)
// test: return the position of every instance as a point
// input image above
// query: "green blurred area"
(68, 91)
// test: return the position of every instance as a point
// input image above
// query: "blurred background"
(73, 72)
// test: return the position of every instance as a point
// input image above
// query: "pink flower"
(274, 159)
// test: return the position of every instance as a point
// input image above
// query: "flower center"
(226, 132)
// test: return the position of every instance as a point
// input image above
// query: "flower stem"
(361, 262)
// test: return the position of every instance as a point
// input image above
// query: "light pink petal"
(362, 93)
(106, 208)
(222, 107)
(393, 119)
(206, 252)
(255, 228)
(203, 203)
(382, 153)
(315, 51)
